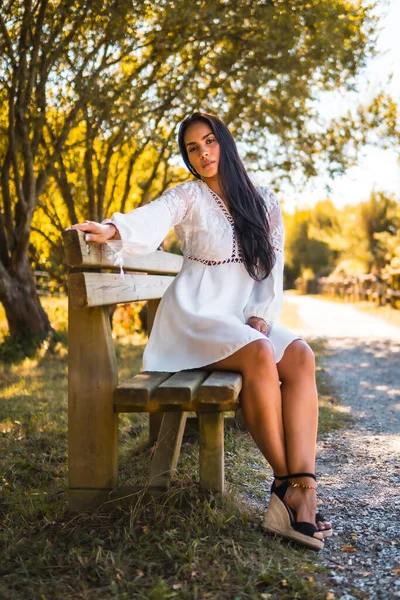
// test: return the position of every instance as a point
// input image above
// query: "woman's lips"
(208, 164)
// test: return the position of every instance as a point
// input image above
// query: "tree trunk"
(27, 321)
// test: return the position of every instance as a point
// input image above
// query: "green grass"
(182, 545)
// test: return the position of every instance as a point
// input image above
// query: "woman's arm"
(143, 229)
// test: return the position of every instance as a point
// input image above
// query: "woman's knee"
(300, 356)
(260, 355)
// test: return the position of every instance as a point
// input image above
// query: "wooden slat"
(185, 390)
(220, 387)
(168, 447)
(155, 407)
(100, 289)
(180, 388)
(140, 388)
(101, 256)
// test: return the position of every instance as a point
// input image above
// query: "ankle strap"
(296, 475)
(281, 477)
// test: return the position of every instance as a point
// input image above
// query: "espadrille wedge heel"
(319, 517)
(278, 518)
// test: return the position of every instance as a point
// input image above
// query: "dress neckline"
(220, 203)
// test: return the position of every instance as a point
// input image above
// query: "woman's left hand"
(259, 324)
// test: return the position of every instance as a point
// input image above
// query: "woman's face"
(203, 149)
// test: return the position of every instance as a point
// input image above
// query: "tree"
(303, 251)
(108, 81)
(379, 215)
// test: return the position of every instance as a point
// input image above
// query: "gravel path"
(359, 468)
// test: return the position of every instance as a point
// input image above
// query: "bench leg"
(211, 428)
(92, 422)
(155, 420)
(168, 447)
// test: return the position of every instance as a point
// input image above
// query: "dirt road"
(359, 468)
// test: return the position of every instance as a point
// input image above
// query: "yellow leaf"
(330, 596)
(284, 583)
(347, 549)
(145, 529)
(266, 596)
(310, 579)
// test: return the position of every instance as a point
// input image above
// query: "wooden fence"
(372, 288)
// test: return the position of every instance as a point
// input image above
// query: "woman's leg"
(300, 418)
(261, 400)
(267, 420)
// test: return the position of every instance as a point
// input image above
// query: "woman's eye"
(192, 148)
(210, 140)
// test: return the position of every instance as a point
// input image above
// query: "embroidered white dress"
(202, 315)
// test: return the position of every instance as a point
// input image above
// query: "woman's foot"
(291, 512)
(303, 504)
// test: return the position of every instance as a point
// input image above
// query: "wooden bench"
(95, 397)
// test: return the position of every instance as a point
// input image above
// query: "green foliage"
(100, 109)
(357, 239)
(302, 249)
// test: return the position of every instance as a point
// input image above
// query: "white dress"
(202, 316)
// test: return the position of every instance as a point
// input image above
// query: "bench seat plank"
(181, 388)
(220, 387)
(189, 391)
(141, 387)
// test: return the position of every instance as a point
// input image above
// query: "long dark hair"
(246, 205)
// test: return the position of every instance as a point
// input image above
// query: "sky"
(377, 169)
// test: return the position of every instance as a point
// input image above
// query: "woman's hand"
(97, 232)
(259, 324)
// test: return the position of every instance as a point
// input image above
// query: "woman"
(221, 311)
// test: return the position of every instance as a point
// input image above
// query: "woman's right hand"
(97, 232)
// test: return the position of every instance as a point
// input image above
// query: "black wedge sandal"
(279, 518)
(319, 517)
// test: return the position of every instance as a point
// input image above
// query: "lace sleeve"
(277, 235)
(143, 229)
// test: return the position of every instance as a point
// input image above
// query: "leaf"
(284, 583)
(347, 549)
(330, 596)
(176, 586)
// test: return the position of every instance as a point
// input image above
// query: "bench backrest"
(94, 279)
